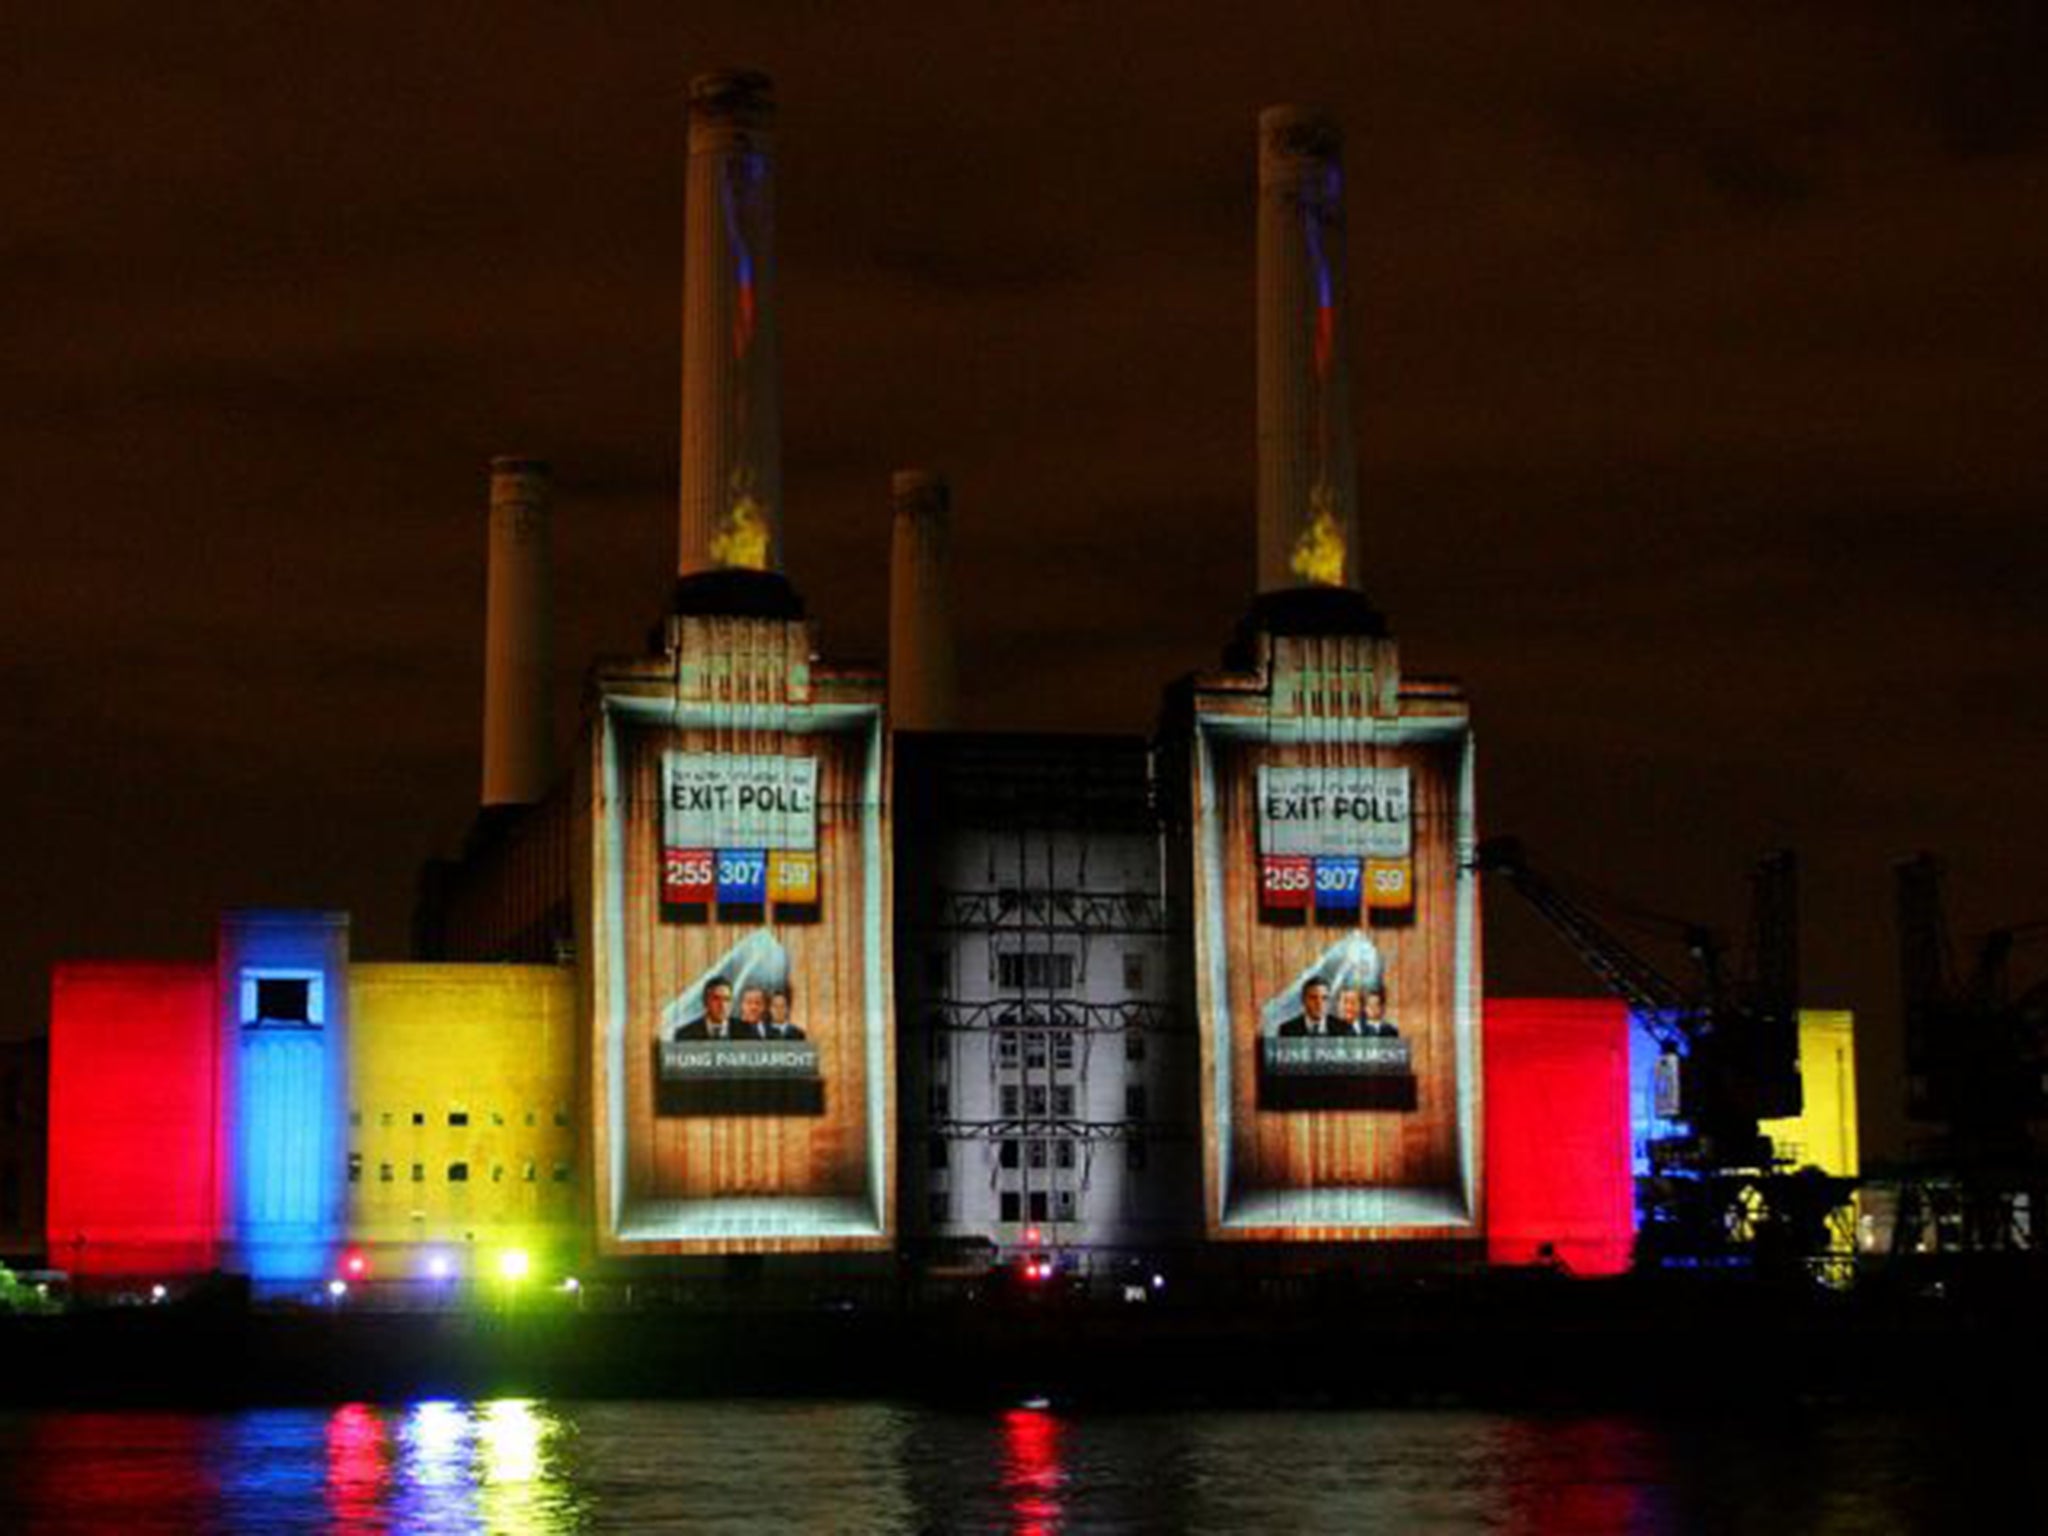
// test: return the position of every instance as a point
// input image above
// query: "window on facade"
(385, 1118)
(419, 1173)
(497, 1173)
(1134, 1101)
(1034, 1049)
(497, 1117)
(1134, 972)
(458, 1117)
(936, 1152)
(1006, 1048)
(385, 1173)
(284, 999)
(527, 1171)
(1063, 1153)
(529, 1117)
(1063, 1051)
(1063, 1100)
(355, 1167)
(1007, 1205)
(419, 1117)
(1036, 1154)
(1008, 1100)
(458, 1173)
(1063, 1205)
(1134, 1045)
(1034, 1099)
(561, 1119)
(1006, 1153)
(1035, 972)
(561, 1173)
(1038, 1205)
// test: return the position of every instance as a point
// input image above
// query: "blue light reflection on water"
(518, 1466)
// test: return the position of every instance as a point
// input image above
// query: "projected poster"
(742, 1061)
(1336, 948)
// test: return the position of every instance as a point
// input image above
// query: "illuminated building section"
(133, 1118)
(283, 990)
(1046, 1062)
(1557, 1134)
(1336, 936)
(463, 1120)
(737, 981)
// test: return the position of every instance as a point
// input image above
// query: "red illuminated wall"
(1557, 1148)
(132, 1111)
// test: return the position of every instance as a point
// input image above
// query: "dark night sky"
(1698, 364)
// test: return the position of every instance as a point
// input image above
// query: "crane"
(1729, 1060)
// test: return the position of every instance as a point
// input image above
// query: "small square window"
(1009, 1101)
(1038, 1205)
(1063, 1051)
(284, 999)
(1063, 1205)
(419, 1173)
(1034, 1049)
(561, 1173)
(419, 1117)
(497, 1173)
(458, 1117)
(1063, 1100)
(458, 1173)
(561, 1119)
(385, 1173)
(355, 1167)
(1063, 1153)
(529, 1117)
(1034, 1099)
(385, 1118)
(1007, 1205)
(497, 1117)
(1035, 1153)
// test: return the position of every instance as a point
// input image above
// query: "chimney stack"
(518, 637)
(1308, 484)
(921, 668)
(732, 425)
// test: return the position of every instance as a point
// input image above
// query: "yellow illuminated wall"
(462, 1126)
(1823, 1133)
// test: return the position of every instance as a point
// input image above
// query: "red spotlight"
(354, 1265)
(1031, 1237)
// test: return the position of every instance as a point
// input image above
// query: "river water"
(518, 1465)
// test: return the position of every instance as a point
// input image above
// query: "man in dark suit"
(1376, 1022)
(780, 1025)
(1314, 1018)
(717, 1022)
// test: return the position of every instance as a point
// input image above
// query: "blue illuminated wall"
(283, 992)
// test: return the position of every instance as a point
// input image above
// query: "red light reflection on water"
(358, 1468)
(1033, 1474)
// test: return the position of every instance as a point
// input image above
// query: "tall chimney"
(732, 424)
(921, 669)
(1308, 482)
(518, 636)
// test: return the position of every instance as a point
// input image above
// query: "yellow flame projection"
(1319, 551)
(742, 537)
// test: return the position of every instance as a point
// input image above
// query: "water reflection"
(520, 1466)
(1032, 1474)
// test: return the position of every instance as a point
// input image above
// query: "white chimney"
(518, 636)
(922, 694)
(731, 512)
(1308, 490)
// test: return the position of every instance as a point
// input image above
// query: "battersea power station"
(776, 972)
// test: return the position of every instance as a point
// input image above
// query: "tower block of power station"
(1330, 816)
(734, 910)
